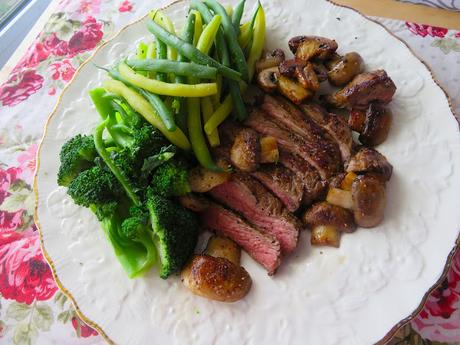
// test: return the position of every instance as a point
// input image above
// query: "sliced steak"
(313, 187)
(263, 248)
(250, 198)
(294, 143)
(283, 183)
(365, 88)
(286, 114)
(335, 126)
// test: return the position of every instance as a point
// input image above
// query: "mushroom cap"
(216, 278)
(268, 79)
(369, 160)
(368, 192)
(323, 213)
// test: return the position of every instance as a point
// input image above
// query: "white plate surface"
(354, 294)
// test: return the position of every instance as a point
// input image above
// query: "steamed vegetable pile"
(160, 113)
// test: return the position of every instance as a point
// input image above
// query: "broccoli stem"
(101, 150)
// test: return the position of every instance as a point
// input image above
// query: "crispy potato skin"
(216, 278)
(368, 192)
(223, 247)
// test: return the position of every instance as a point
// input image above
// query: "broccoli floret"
(171, 179)
(76, 155)
(147, 141)
(97, 189)
(176, 232)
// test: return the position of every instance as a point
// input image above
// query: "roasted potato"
(293, 90)
(323, 213)
(308, 47)
(268, 79)
(377, 125)
(223, 247)
(216, 278)
(202, 180)
(269, 152)
(368, 193)
(325, 235)
(340, 197)
(345, 69)
(245, 151)
(272, 59)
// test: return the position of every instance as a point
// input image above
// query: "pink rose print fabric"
(32, 309)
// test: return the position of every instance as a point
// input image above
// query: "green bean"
(237, 54)
(143, 107)
(221, 46)
(190, 51)
(151, 54)
(197, 139)
(239, 108)
(198, 28)
(187, 36)
(162, 53)
(161, 19)
(237, 15)
(207, 111)
(208, 35)
(258, 41)
(219, 115)
(179, 68)
(163, 111)
(141, 52)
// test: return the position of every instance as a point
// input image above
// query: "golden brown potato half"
(268, 79)
(269, 152)
(223, 247)
(325, 235)
(216, 278)
(293, 90)
(345, 69)
(377, 125)
(308, 47)
(368, 200)
(202, 180)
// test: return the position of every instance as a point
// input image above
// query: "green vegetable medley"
(160, 112)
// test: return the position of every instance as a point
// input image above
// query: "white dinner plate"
(352, 295)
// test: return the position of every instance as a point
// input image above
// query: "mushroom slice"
(216, 278)
(345, 69)
(289, 68)
(377, 125)
(293, 90)
(245, 151)
(357, 120)
(271, 59)
(323, 213)
(320, 70)
(368, 200)
(307, 77)
(308, 47)
(369, 160)
(268, 79)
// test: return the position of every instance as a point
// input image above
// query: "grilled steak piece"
(313, 187)
(286, 114)
(334, 125)
(365, 88)
(250, 198)
(369, 160)
(283, 183)
(263, 248)
(292, 142)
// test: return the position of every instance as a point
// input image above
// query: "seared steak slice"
(263, 248)
(334, 125)
(286, 114)
(365, 88)
(294, 143)
(250, 198)
(369, 160)
(283, 183)
(313, 186)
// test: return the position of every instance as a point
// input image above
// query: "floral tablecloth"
(32, 309)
